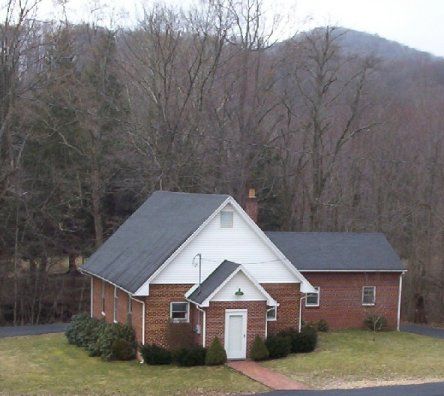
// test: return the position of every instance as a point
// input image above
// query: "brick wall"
(287, 295)
(157, 312)
(122, 306)
(341, 298)
(255, 320)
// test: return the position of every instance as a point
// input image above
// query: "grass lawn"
(48, 365)
(346, 359)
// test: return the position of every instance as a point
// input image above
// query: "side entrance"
(236, 333)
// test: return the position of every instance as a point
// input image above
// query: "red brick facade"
(122, 306)
(287, 295)
(340, 305)
(157, 314)
(341, 298)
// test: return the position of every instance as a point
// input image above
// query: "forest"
(332, 134)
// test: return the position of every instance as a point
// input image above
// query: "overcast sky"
(416, 23)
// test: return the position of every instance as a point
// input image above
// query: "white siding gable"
(239, 281)
(239, 244)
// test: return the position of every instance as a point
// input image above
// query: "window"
(129, 312)
(226, 219)
(179, 311)
(313, 298)
(271, 314)
(368, 295)
(102, 295)
(115, 304)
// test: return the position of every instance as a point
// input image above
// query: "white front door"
(236, 333)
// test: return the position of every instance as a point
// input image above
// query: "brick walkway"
(265, 376)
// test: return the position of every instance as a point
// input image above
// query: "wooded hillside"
(334, 136)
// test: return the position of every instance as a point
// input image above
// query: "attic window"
(226, 219)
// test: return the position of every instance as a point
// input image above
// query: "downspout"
(399, 301)
(91, 298)
(300, 311)
(143, 318)
(204, 325)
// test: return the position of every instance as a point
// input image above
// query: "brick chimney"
(251, 205)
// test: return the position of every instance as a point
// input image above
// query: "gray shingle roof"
(149, 237)
(337, 251)
(213, 281)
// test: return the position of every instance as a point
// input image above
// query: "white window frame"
(179, 320)
(102, 298)
(273, 319)
(231, 224)
(318, 292)
(374, 296)
(116, 304)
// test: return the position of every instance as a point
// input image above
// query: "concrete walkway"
(15, 331)
(434, 332)
(265, 376)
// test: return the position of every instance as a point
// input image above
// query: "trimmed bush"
(259, 350)
(376, 322)
(216, 354)
(304, 341)
(278, 346)
(123, 350)
(79, 329)
(83, 331)
(155, 355)
(292, 334)
(187, 357)
(110, 333)
(323, 326)
(93, 346)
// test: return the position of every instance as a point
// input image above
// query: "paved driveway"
(435, 389)
(423, 330)
(13, 331)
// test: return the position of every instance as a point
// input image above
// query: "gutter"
(85, 272)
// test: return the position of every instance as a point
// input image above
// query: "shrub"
(155, 355)
(323, 326)
(278, 345)
(93, 346)
(123, 350)
(109, 334)
(82, 331)
(376, 322)
(304, 341)
(187, 357)
(259, 350)
(216, 354)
